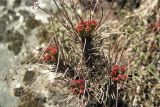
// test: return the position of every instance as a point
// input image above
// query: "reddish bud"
(116, 75)
(46, 57)
(93, 22)
(75, 91)
(125, 76)
(88, 28)
(53, 50)
(81, 81)
(116, 67)
(81, 92)
(123, 68)
(53, 59)
(113, 73)
(115, 79)
(87, 25)
(122, 77)
(79, 28)
(82, 87)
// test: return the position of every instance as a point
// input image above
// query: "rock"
(2, 27)
(19, 91)
(41, 99)
(3, 2)
(15, 47)
(44, 90)
(16, 42)
(24, 13)
(158, 5)
(28, 76)
(13, 37)
(31, 23)
(13, 16)
(17, 3)
(28, 2)
(30, 100)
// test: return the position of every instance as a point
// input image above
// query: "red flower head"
(78, 85)
(51, 50)
(118, 73)
(81, 23)
(80, 81)
(115, 70)
(86, 26)
(50, 54)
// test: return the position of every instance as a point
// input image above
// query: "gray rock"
(28, 76)
(30, 100)
(28, 2)
(44, 90)
(3, 2)
(16, 42)
(2, 29)
(17, 3)
(19, 91)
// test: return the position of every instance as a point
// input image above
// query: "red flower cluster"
(156, 26)
(77, 86)
(86, 26)
(50, 54)
(118, 73)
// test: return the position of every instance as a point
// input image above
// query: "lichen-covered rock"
(18, 91)
(3, 2)
(37, 86)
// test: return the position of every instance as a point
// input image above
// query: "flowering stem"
(117, 96)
